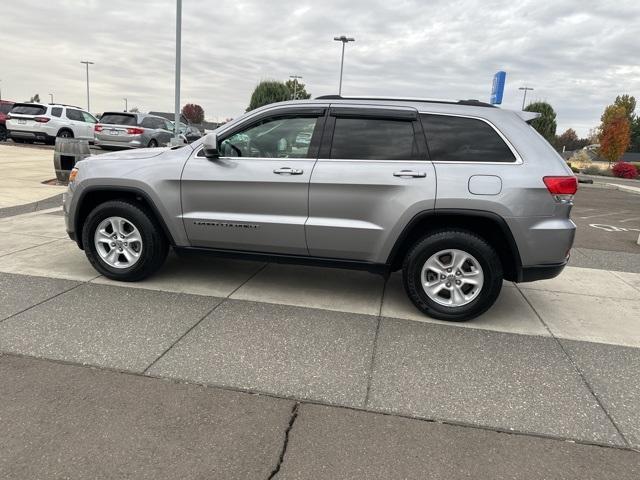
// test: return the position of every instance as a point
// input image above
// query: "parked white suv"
(35, 122)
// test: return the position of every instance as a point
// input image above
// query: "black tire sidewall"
(461, 240)
(154, 247)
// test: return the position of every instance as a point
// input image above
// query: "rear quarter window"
(56, 111)
(29, 109)
(462, 139)
(118, 119)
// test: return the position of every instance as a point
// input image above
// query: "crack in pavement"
(292, 420)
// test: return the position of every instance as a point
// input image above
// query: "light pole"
(87, 64)
(126, 105)
(344, 39)
(176, 129)
(295, 85)
(0, 91)
(51, 95)
(524, 97)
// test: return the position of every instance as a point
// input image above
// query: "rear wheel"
(64, 133)
(452, 275)
(152, 144)
(3, 133)
(123, 241)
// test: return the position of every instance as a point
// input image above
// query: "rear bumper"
(27, 135)
(540, 272)
(124, 143)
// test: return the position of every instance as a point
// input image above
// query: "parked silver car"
(117, 130)
(459, 195)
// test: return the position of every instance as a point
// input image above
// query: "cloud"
(577, 55)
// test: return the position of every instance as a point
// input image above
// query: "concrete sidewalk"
(23, 171)
(65, 421)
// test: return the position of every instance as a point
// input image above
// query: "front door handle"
(288, 171)
(409, 173)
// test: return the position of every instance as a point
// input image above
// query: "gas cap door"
(485, 185)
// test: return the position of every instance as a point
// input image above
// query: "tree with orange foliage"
(614, 133)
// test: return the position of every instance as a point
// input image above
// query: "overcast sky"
(578, 55)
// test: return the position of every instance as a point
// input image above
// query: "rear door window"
(151, 122)
(56, 112)
(23, 109)
(118, 119)
(88, 118)
(75, 115)
(462, 139)
(374, 139)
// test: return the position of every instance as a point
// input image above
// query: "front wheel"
(123, 241)
(452, 275)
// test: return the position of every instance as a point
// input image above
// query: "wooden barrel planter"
(67, 153)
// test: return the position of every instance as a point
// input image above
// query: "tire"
(65, 133)
(3, 133)
(152, 247)
(436, 252)
(152, 144)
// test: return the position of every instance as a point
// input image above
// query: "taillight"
(562, 188)
(135, 131)
(98, 128)
(41, 119)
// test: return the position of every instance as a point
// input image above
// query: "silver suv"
(459, 195)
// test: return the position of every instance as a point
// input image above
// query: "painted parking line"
(605, 214)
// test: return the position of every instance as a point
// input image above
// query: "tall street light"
(87, 64)
(344, 39)
(126, 105)
(51, 95)
(176, 129)
(295, 85)
(524, 97)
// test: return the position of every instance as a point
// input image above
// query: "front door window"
(284, 137)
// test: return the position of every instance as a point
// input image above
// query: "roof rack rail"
(65, 105)
(471, 102)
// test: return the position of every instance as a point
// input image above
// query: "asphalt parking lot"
(607, 220)
(233, 369)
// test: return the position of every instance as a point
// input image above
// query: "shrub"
(625, 170)
(580, 159)
(594, 170)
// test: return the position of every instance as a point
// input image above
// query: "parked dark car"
(189, 132)
(5, 107)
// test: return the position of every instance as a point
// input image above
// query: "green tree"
(628, 102)
(268, 91)
(298, 89)
(546, 123)
(634, 145)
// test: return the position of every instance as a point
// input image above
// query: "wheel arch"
(488, 225)
(66, 129)
(94, 196)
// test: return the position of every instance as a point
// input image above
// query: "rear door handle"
(409, 173)
(288, 171)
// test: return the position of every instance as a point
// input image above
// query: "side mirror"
(210, 146)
